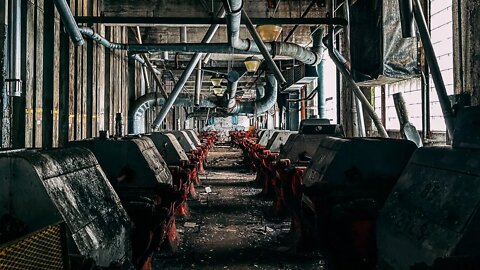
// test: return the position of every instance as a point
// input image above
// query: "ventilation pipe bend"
(147, 101)
(233, 79)
(69, 22)
(234, 16)
(261, 105)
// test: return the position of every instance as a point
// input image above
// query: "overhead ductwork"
(260, 105)
(236, 44)
(147, 101)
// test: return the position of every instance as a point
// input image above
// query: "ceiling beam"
(203, 20)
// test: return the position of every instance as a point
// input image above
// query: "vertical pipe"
(183, 34)
(361, 119)
(145, 78)
(185, 75)
(266, 55)
(406, 18)
(198, 84)
(318, 47)
(434, 67)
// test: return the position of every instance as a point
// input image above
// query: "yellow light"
(218, 91)
(269, 32)
(216, 80)
(252, 63)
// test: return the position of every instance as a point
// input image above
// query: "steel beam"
(204, 21)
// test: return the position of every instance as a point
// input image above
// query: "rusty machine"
(40, 189)
(144, 184)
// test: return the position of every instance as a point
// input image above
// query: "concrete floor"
(226, 228)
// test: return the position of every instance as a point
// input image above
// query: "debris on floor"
(231, 232)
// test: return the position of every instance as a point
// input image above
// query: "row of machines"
(118, 198)
(373, 203)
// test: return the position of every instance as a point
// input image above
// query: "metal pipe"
(278, 48)
(69, 22)
(434, 68)
(406, 18)
(145, 78)
(88, 32)
(147, 101)
(15, 52)
(263, 49)
(261, 105)
(183, 34)
(198, 83)
(356, 90)
(138, 58)
(320, 68)
(185, 75)
(360, 118)
(232, 84)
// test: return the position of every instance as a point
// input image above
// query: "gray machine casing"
(169, 147)
(182, 137)
(138, 155)
(367, 162)
(279, 139)
(193, 136)
(45, 187)
(266, 135)
(433, 210)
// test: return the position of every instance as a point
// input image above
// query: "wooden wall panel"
(38, 107)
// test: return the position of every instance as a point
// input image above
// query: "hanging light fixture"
(252, 63)
(218, 90)
(216, 80)
(269, 32)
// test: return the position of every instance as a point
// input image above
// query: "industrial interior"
(240, 134)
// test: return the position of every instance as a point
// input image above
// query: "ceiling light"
(216, 80)
(252, 63)
(218, 91)
(269, 32)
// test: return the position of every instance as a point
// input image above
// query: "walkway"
(226, 228)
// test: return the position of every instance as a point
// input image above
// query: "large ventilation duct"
(261, 105)
(149, 100)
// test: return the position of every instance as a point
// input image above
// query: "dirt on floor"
(226, 228)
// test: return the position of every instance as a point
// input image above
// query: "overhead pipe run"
(185, 75)
(149, 100)
(69, 22)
